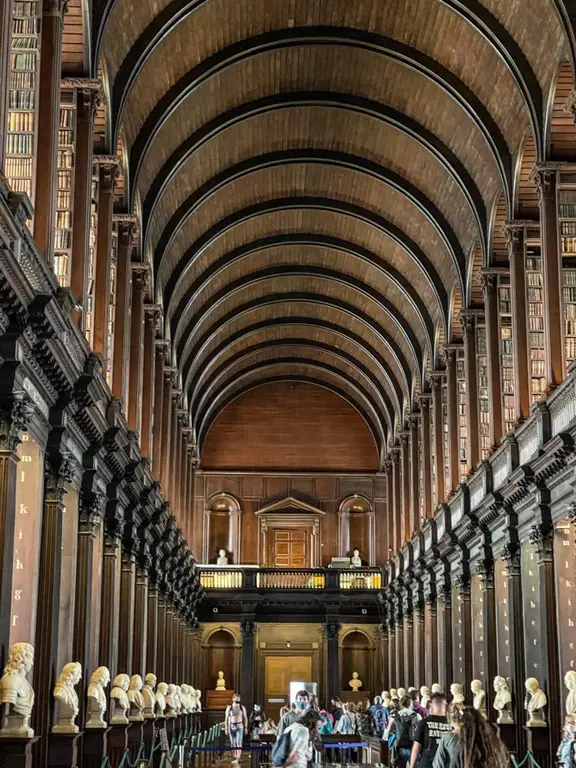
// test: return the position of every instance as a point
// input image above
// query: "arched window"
(222, 528)
(356, 529)
(357, 655)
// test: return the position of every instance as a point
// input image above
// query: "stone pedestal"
(135, 739)
(539, 744)
(63, 749)
(507, 733)
(117, 744)
(16, 753)
(94, 745)
(148, 735)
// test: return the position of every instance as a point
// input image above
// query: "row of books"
(567, 210)
(62, 238)
(568, 245)
(570, 347)
(64, 181)
(65, 158)
(538, 384)
(23, 62)
(26, 26)
(569, 294)
(24, 43)
(24, 80)
(21, 185)
(570, 326)
(536, 323)
(570, 277)
(536, 344)
(63, 219)
(25, 8)
(21, 121)
(62, 199)
(66, 118)
(20, 143)
(18, 167)
(21, 99)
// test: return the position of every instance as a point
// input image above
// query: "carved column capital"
(91, 507)
(545, 177)
(514, 230)
(445, 594)
(109, 170)
(511, 555)
(15, 416)
(57, 477)
(542, 538)
(248, 628)
(463, 586)
(485, 570)
(436, 379)
(489, 282)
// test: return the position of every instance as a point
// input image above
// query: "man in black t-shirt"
(429, 732)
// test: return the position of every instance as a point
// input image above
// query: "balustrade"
(275, 578)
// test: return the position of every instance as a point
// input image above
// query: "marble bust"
(436, 688)
(222, 557)
(136, 699)
(16, 693)
(198, 700)
(97, 698)
(161, 692)
(479, 701)
(178, 690)
(355, 683)
(220, 683)
(502, 701)
(535, 702)
(401, 692)
(120, 701)
(67, 698)
(425, 696)
(185, 699)
(393, 693)
(386, 699)
(171, 701)
(570, 683)
(149, 695)
(457, 693)
(356, 560)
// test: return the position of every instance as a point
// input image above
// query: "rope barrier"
(527, 757)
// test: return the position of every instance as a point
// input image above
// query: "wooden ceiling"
(319, 178)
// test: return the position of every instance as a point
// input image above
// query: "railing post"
(249, 578)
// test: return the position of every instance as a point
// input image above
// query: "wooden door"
(280, 672)
(290, 548)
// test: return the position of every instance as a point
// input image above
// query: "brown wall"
(290, 426)
(326, 492)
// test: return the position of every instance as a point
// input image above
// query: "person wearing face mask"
(236, 723)
(256, 721)
(299, 707)
(303, 701)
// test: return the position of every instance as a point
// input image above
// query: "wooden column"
(420, 671)
(445, 665)
(468, 321)
(140, 348)
(169, 640)
(464, 595)
(165, 452)
(408, 627)
(185, 485)
(140, 623)
(157, 425)
(48, 121)
(490, 288)
(152, 629)
(452, 413)
(414, 474)
(545, 176)
(511, 555)
(438, 423)
(110, 618)
(121, 384)
(108, 172)
(400, 679)
(148, 382)
(542, 538)
(86, 105)
(486, 573)
(391, 623)
(426, 458)
(516, 237)
(161, 639)
(15, 411)
(248, 629)
(405, 488)
(397, 514)
(127, 608)
(432, 641)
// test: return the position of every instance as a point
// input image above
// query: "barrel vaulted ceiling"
(318, 180)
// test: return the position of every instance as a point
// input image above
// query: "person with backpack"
(380, 714)
(294, 747)
(472, 743)
(403, 727)
(289, 717)
(429, 732)
(235, 724)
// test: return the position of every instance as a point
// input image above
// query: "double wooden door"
(280, 672)
(290, 548)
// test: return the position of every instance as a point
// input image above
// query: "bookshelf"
(462, 414)
(483, 391)
(506, 343)
(21, 134)
(65, 188)
(447, 484)
(535, 311)
(112, 305)
(567, 215)
(91, 261)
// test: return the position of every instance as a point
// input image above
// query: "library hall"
(287, 383)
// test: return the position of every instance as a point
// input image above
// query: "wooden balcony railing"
(224, 579)
(360, 580)
(278, 579)
(251, 577)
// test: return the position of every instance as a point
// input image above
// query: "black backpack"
(405, 730)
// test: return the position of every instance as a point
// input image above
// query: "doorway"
(290, 548)
(280, 671)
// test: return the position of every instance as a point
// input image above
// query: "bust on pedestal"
(355, 683)
(457, 694)
(149, 696)
(136, 699)
(425, 696)
(97, 698)
(222, 557)
(570, 683)
(220, 682)
(436, 688)
(535, 702)
(479, 702)
(67, 698)
(356, 560)
(171, 701)
(16, 693)
(503, 701)
(120, 702)
(161, 692)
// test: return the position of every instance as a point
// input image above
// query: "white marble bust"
(394, 693)
(171, 701)
(198, 700)
(503, 701)
(386, 699)
(149, 695)
(570, 683)
(356, 560)
(222, 557)
(195, 702)
(220, 682)
(16, 693)
(184, 699)
(67, 699)
(97, 698)
(479, 701)
(401, 692)
(136, 699)
(535, 702)
(179, 706)
(436, 688)
(457, 694)
(161, 692)
(120, 701)
(425, 696)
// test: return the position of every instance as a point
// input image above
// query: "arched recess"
(526, 194)
(498, 251)
(222, 654)
(474, 288)
(455, 310)
(356, 528)
(357, 655)
(560, 135)
(222, 528)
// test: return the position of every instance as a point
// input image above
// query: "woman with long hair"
(472, 744)
(303, 733)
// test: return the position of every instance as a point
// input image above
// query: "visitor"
(380, 714)
(256, 721)
(235, 723)
(365, 720)
(303, 700)
(429, 732)
(268, 727)
(303, 734)
(403, 728)
(326, 723)
(288, 719)
(346, 725)
(473, 743)
(416, 706)
(566, 753)
(337, 709)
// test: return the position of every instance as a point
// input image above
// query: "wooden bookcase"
(567, 217)
(483, 391)
(447, 484)
(65, 187)
(535, 312)
(23, 81)
(91, 262)
(506, 343)
(462, 414)
(112, 305)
